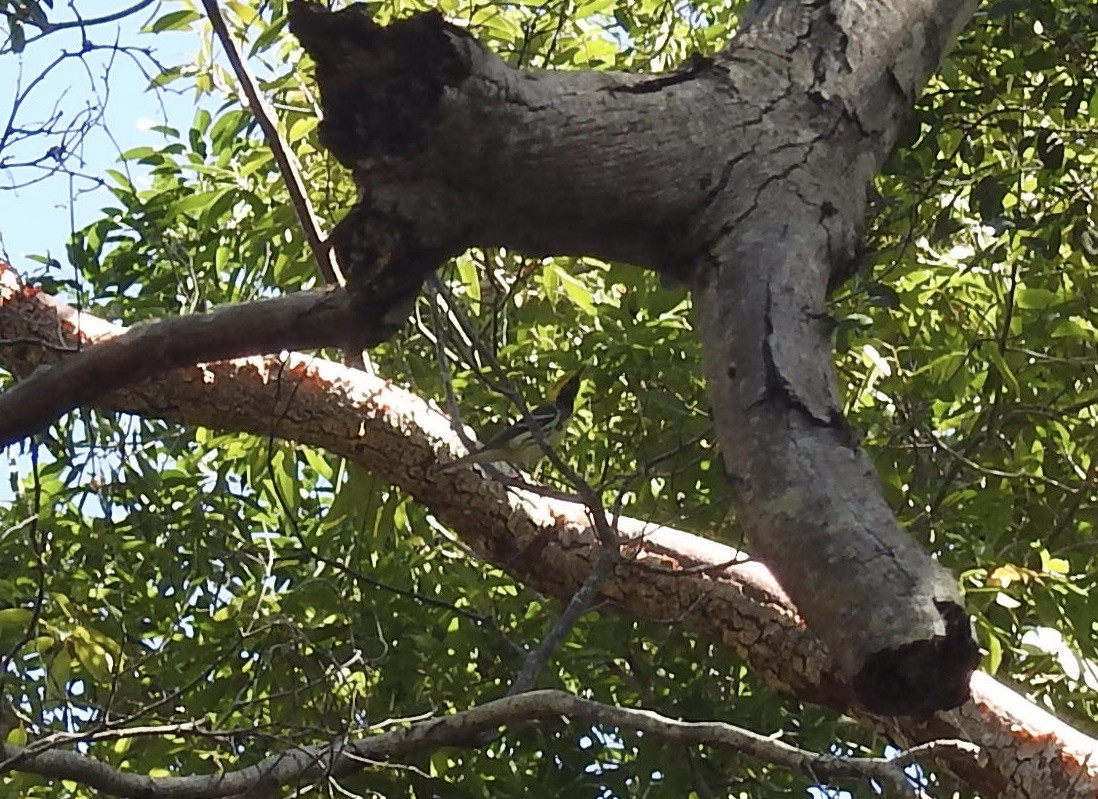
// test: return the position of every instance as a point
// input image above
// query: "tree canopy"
(193, 598)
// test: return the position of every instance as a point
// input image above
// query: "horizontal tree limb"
(549, 544)
(342, 757)
(298, 321)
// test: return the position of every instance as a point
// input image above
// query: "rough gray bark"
(549, 545)
(809, 497)
(744, 174)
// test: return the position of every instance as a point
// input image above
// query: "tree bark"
(350, 754)
(744, 174)
(550, 545)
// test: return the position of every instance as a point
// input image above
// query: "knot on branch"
(381, 92)
(924, 676)
(385, 259)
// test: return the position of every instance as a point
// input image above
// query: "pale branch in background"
(346, 756)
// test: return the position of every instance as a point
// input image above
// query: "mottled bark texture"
(700, 586)
(303, 320)
(744, 174)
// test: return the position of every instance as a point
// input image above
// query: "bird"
(515, 443)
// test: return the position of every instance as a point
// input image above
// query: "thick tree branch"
(550, 545)
(745, 174)
(808, 494)
(306, 320)
(342, 757)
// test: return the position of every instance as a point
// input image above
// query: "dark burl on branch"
(452, 148)
(380, 89)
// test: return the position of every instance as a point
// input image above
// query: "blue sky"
(37, 219)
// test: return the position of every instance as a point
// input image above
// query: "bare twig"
(539, 656)
(287, 163)
(53, 27)
(605, 528)
(587, 494)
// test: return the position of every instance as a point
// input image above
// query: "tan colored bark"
(549, 545)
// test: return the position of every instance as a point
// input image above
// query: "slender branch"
(50, 742)
(88, 23)
(581, 600)
(536, 659)
(287, 164)
(341, 757)
(307, 319)
(307, 552)
(53, 27)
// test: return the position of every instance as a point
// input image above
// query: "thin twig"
(539, 656)
(588, 495)
(605, 529)
(287, 164)
(53, 27)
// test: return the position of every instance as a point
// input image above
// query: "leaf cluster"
(274, 595)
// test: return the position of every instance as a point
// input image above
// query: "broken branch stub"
(744, 174)
(451, 148)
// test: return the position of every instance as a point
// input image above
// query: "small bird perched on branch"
(516, 444)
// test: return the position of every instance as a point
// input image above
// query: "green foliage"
(266, 589)
(976, 381)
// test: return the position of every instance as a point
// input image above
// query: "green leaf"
(58, 673)
(301, 129)
(173, 21)
(882, 296)
(576, 291)
(94, 660)
(166, 76)
(470, 278)
(15, 619)
(945, 226)
(1035, 298)
(991, 351)
(195, 202)
(994, 657)
(138, 153)
(1050, 150)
